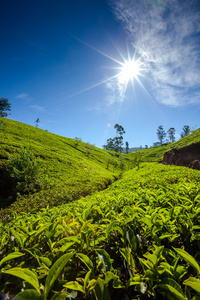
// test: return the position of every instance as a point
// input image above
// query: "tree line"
(116, 143)
(161, 134)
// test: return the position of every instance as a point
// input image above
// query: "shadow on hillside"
(8, 192)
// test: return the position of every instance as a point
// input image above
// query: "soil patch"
(188, 156)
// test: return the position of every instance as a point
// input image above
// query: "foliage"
(127, 147)
(161, 134)
(139, 239)
(171, 133)
(25, 170)
(186, 131)
(116, 143)
(136, 159)
(4, 107)
(37, 122)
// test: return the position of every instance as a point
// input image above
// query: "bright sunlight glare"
(129, 71)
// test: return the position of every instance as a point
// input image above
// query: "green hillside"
(68, 168)
(156, 153)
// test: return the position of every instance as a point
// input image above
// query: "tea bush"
(138, 239)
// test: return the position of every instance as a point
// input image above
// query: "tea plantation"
(137, 239)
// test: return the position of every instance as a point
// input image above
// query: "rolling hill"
(68, 168)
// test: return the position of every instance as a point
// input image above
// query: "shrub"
(25, 170)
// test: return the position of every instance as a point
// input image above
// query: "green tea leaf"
(102, 290)
(131, 240)
(104, 257)
(27, 295)
(46, 261)
(91, 284)
(136, 280)
(11, 256)
(26, 275)
(87, 277)
(108, 276)
(173, 283)
(172, 291)
(194, 283)
(126, 253)
(74, 285)
(189, 258)
(110, 228)
(55, 271)
(85, 259)
(116, 281)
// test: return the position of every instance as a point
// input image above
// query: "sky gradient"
(60, 59)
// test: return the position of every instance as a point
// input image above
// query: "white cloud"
(23, 96)
(38, 108)
(168, 37)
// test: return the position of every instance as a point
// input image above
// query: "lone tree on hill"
(4, 107)
(161, 134)
(37, 122)
(171, 134)
(186, 131)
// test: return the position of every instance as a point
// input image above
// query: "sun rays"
(126, 70)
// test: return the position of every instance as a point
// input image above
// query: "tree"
(119, 129)
(110, 144)
(116, 143)
(186, 131)
(4, 107)
(118, 140)
(127, 147)
(37, 122)
(171, 134)
(161, 134)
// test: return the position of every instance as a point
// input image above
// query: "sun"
(130, 70)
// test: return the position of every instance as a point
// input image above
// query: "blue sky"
(60, 59)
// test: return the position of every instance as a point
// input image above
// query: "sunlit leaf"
(74, 285)
(11, 256)
(194, 283)
(28, 295)
(26, 275)
(189, 258)
(55, 270)
(85, 259)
